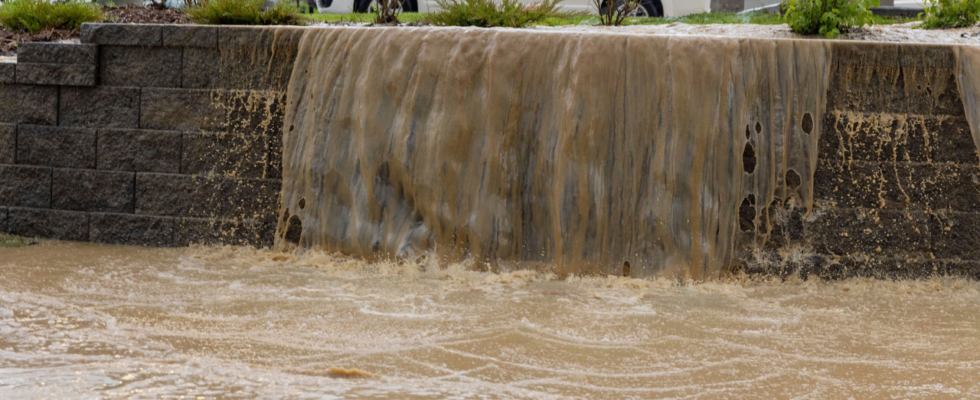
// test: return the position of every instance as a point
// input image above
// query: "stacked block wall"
(158, 135)
(897, 184)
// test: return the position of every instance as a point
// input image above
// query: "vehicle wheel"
(364, 6)
(647, 9)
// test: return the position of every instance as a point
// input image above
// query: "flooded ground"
(105, 321)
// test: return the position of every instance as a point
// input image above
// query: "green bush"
(37, 15)
(244, 12)
(829, 18)
(487, 13)
(950, 14)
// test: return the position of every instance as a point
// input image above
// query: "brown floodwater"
(87, 321)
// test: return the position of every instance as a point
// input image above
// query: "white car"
(650, 8)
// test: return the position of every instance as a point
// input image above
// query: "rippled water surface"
(104, 321)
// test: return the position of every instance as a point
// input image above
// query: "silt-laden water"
(84, 321)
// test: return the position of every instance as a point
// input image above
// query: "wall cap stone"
(57, 53)
(123, 34)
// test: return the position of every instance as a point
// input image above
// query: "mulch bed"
(121, 15)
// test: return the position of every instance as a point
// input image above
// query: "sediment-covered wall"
(575, 152)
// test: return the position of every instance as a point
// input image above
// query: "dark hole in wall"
(793, 180)
(748, 158)
(748, 132)
(294, 230)
(758, 128)
(746, 214)
(291, 127)
(807, 123)
(626, 268)
(302, 203)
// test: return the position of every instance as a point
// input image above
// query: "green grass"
(945, 14)
(695, 19)
(245, 12)
(38, 15)
(15, 241)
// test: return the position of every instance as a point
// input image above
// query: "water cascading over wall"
(575, 151)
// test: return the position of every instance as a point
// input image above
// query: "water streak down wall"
(573, 150)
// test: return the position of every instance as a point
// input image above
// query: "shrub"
(613, 12)
(37, 15)
(950, 14)
(487, 13)
(244, 12)
(829, 18)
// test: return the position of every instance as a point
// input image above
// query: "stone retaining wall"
(897, 186)
(159, 135)
(170, 135)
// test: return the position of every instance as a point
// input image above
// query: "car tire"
(364, 6)
(647, 9)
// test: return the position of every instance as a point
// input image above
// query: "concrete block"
(886, 233)
(256, 58)
(894, 137)
(956, 235)
(891, 78)
(29, 104)
(57, 53)
(889, 185)
(3, 219)
(132, 229)
(56, 146)
(139, 150)
(209, 153)
(8, 144)
(56, 74)
(122, 34)
(212, 231)
(200, 68)
(190, 36)
(175, 109)
(100, 107)
(49, 224)
(242, 112)
(275, 155)
(8, 72)
(205, 197)
(90, 190)
(140, 66)
(24, 186)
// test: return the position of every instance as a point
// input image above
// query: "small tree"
(387, 11)
(613, 12)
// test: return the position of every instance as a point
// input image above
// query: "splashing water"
(112, 321)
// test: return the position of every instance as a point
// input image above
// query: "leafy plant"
(613, 12)
(828, 18)
(387, 11)
(244, 12)
(487, 13)
(38, 15)
(950, 14)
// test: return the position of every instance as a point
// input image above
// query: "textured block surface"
(28, 104)
(190, 36)
(224, 154)
(8, 143)
(3, 219)
(90, 190)
(57, 53)
(132, 229)
(140, 66)
(122, 34)
(56, 74)
(51, 224)
(100, 107)
(210, 231)
(8, 72)
(56, 146)
(139, 150)
(205, 197)
(24, 186)
(175, 109)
